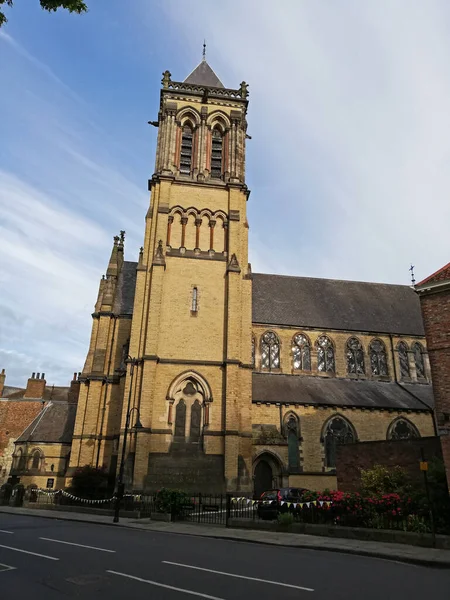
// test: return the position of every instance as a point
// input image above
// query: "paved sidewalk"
(411, 554)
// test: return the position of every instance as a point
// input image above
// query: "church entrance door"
(263, 478)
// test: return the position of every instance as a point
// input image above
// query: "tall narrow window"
(402, 349)
(270, 351)
(355, 357)
(194, 306)
(253, 351)
(418, 359)
(325, 355)
(301, 353)
(36, 460)
(186, 150)
(216, 154)
(378, 358)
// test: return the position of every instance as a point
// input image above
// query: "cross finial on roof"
(204, 50)
(413, 281)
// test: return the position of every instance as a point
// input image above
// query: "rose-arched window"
(187, 137)
(418, 360)
(378, 358)
(355, 357)
(402, 350)
(216, 153)
(402, 429)
(301, 353)
(338, 431)
(325, 355)
(270, 351)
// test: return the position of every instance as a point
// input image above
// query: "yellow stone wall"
(53, 454)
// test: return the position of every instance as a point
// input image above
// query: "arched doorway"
(263, 477)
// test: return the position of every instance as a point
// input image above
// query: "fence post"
(228, 509)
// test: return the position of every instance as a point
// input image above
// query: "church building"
(222, 378)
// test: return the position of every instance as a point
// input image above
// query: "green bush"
(89, 482)
(285, 519)
(171, 501)
(383, 480)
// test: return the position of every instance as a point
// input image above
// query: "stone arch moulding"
(183, 378)
(218, 118)
(414, 432)
(286, 418)
(188, 114)
(340, 416)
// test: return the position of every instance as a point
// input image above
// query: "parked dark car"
(274, 502)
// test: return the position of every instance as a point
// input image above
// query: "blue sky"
(348, 162)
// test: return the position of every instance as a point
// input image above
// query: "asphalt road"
(49, 559)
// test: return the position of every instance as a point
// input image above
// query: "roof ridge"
(430, 277)
(332, 279)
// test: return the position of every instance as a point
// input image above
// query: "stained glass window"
(36, 460)
(270, 351)
(418, 359)
(355, 357)
(186, 150)
(338, 431)
(253, 351)
(402, 429)
(402, 349)
(301, 353)
(325, 355)
(378, 358)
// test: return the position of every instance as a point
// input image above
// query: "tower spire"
(204, 51)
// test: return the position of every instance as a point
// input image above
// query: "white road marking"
(28, 552)
(79, 545)
(167, 587)
(296, 587)
(6, 568)
(4, 531)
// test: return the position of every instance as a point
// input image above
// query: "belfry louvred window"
(216, 153)
(186, 149)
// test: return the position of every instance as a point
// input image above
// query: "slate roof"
(126, 286)
(59, 393)
(336, 304)
(333, 391)
(53, 425)
(204, 75)
(442, 274)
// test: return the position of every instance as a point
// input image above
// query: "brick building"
(240, 381)
(434, 293)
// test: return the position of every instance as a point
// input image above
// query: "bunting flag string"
(136, 497)
(321, 503)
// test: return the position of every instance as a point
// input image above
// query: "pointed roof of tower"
(203, 74)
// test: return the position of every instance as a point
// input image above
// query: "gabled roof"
(126, 287)
(336, 304)
(53, 425)
(204, 75)
(442, 274)
(334, 391)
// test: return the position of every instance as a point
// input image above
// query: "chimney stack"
(2, 381)
(35, 386)
(74, 389)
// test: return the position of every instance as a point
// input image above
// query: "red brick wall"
(15, 416)
(351, 458)
(436, 317)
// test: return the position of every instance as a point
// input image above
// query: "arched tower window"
(216, 153)
(338, 431)
(270, 351)
(418, 359)
(301, 353)
(187, 137)
(402, 429)
(378, 358)
(355, 357)
(325, 355)
(402, 350)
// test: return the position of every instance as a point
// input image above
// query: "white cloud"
(350, 125)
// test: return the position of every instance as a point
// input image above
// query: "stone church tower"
(171, 338)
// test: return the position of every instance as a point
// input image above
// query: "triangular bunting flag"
(283, 503)
(321, 502)
(308, 504)
(315, 502)
(289, 504)
(295, 504)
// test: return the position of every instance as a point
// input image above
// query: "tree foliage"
(383, 480)
(89, 482)
(77, 6)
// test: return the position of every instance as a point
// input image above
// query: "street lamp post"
(120, 484)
